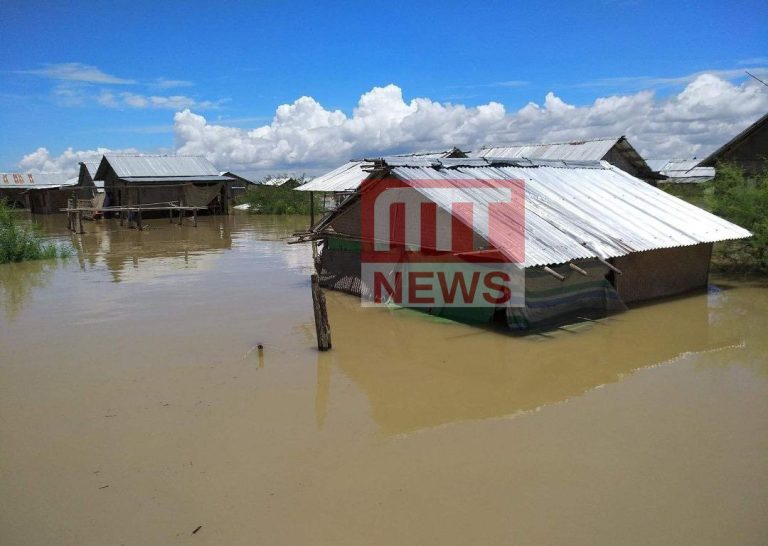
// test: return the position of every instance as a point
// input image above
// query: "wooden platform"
(75, 213)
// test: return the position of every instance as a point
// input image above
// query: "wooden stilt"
(311, 209)
(322, 327)
(170, 216)
(138, 220)
(80, 222)
(194, 217)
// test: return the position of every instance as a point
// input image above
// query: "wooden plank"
(322, 327)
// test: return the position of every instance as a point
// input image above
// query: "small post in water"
(322, 327)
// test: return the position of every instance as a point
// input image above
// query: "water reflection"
(417, 373)
(18, 281)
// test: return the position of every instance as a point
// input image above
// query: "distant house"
(748, 149)
(41, 193)
(350, 175)
(617, 151)
(681, 171)
(239, 184)
(133, 179)
(595, 237)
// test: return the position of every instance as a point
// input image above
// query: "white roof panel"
(582, 212)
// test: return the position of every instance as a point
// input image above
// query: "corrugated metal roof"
(582, 150)
(165, 179)
(169, 166)
(583, 212)
(712, 159)
(682, 171)
(275, 181)
(31, 180)
(91, 167)
(348, 177)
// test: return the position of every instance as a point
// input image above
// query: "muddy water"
(134, 408)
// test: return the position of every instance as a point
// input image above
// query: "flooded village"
(253, 291)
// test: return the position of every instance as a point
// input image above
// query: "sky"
(272, 87)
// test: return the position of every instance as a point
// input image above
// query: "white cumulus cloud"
(306, 136)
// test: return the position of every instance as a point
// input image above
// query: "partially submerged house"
(616, 150)
(192, 181)
(595, 237)
(42, 193)
(681, 171)
(748, 149)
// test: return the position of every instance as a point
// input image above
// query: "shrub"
(20, 242)
(283, 199)
(743, 200)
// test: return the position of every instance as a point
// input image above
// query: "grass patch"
(20, 242)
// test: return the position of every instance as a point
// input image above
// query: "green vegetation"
(283, 199)
(19, 242)
(744, 201)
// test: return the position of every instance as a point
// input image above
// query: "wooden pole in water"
(311, 209)
(138, 220)
(322, 327)
(194, 217)
(80, 222)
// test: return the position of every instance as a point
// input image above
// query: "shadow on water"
(419, 374)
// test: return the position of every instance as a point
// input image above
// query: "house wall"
(50, 201)
(616, 158)
(15, 197)
(663, 272)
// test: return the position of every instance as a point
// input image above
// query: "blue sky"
(83, 75)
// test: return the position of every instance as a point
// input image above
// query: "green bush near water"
(283, 199)
(19, 242)
(742, 200)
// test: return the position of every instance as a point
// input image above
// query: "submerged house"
(681, 171)
(595, 237)
(133, 179)
(748, 149)
(617, 151)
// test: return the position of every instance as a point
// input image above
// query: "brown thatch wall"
(663, 272)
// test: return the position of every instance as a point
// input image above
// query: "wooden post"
(170, 215)
(194, 216)
(311, 209)
(138, 220)
(80, 222)
(122, 214)
(322, 327)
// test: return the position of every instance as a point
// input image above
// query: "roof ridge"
(574, 142)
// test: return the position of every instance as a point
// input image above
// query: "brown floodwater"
(135, 408)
